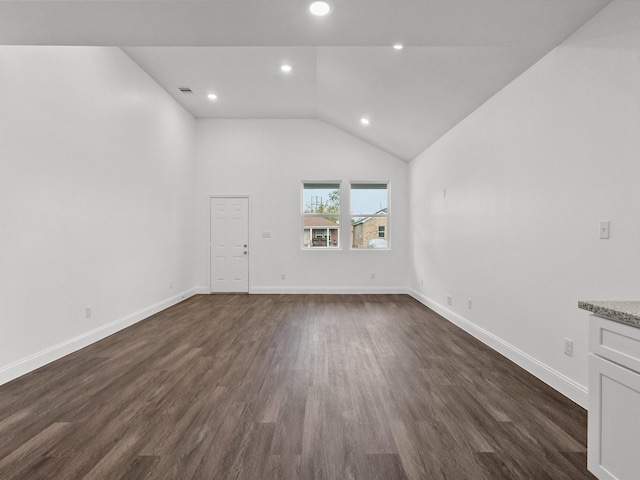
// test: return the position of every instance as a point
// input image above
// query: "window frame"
(387, 215)
(330, 184)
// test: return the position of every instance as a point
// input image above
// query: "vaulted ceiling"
(456, 55)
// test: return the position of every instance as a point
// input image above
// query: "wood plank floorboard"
(289, 387)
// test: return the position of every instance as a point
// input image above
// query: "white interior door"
(229, 244)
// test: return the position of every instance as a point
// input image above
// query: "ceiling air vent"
(185, 89)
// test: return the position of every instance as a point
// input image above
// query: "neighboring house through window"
(369, 215)
(321, 215)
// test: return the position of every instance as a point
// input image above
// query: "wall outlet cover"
(568, 347)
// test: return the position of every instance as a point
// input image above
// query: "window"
(369, 215)
(321, 215)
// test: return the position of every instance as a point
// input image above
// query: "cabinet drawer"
(615, 341)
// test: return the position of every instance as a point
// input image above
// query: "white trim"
(563, 384)
(330, 290)
(303, 215)
(560, 382)
(387, 215)
(48, 355)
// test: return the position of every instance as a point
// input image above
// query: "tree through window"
(321, 215)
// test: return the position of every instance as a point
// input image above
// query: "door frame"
(248, 197)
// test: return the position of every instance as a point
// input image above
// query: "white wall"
(528, 177)
(96, 200)
(101, 169)
(268, 160)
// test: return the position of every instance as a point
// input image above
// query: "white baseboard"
(329, 290)
(39, 359)
(576, 392)
(318, 290)
(563, 384)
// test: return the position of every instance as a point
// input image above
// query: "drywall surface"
(506, 207)
(96, 199)
(268, 160)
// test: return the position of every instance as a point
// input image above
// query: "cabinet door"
(614, 421)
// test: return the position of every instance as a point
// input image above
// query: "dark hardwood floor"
(264, 387)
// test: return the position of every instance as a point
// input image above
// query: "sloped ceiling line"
(458, 53)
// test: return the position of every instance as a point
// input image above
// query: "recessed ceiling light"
(320, 9)
(398, 46)
(364, 121)
(286, 68)
(212, 96)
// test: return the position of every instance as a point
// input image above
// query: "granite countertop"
(624, 312)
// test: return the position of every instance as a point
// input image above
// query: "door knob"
(245, 252)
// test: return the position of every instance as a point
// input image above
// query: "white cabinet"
(614, 400)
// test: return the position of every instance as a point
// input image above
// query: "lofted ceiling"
(456, 55)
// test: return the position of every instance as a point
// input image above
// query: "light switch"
(604, 229)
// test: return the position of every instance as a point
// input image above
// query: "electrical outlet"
(87, 311)
(469, 303)
(449, 300)
(170, 285)
(373, 276)
(568, 347)
(283, 276)
(422, 282)
(605, 227)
